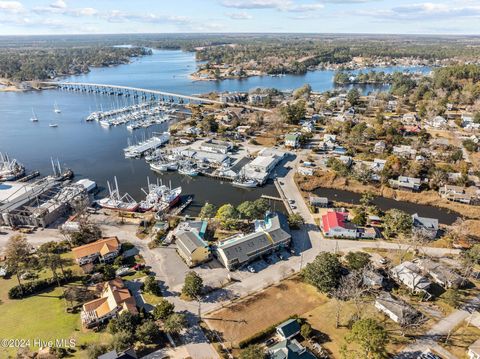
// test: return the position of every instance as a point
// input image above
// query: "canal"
(444, 216)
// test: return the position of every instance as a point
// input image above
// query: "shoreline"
(428, 198)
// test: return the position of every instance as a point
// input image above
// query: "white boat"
(188, 171)
(159, 167)
(53, 125)
(246, 183)
(34, 117)
(56, 109)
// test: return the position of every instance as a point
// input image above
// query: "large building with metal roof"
(270, 234)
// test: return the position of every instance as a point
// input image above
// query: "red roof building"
(336, 224)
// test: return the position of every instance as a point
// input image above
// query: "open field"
(253, 314)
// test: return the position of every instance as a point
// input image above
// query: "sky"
(29, 17)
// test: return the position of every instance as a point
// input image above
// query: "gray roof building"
(269, 235)
(396, 309)
(290, 349)
(190, 244)
(441, 274)
(427, 225)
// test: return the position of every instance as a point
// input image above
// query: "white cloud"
(281, 5)
(239, 16)
(11, 6)
(59, 4)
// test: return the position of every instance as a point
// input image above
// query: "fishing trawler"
(10, 170)
(188, 170)
(159, 197)
(117, 202)
(59, 173)
(243, 182)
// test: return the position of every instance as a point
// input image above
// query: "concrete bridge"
(127, 91)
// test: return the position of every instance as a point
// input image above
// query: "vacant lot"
(251, 315)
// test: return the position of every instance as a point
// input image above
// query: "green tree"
(292, 113)
(306, 330)
(163, 309)
(371, 337)
(323, 272)
(125, 322)
(208, 211)
(360, 218)
(193, 285)
(228, 216)
(147, 332)
(18, 256)
(295, 220)
(123, 340)
(353, 96)
(95, 350)
(175, 323)
(357, 260)
(253, 352)
(151, 286)
(397, 222)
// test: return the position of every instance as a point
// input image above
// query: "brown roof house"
(104, 250)
(114, 299)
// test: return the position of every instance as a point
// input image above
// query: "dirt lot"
(251, 315)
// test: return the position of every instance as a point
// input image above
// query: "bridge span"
(137, 92)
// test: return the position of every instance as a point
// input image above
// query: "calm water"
(444, 216)
(96, 153)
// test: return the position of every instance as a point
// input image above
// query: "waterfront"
(97, 153)
(444, 216)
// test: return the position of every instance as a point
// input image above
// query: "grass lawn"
(42, 316)
(459, 341)
(151, 298)
(253, 314)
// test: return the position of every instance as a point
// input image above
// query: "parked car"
(122, 271)
(383, 260)
(270, 342)
(138, 266)
(251, 269)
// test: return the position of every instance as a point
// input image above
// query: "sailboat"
(56, 109)
(34, 117)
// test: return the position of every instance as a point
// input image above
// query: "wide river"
(96, 153)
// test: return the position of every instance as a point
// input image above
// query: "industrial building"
(38, 203)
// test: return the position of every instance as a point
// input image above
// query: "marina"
(97, 151)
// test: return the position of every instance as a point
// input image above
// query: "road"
(439, 331)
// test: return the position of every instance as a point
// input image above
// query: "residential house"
(474, 350)
(438, 122)
(288, 329)
(397, 310)
(373, 279)
(404, 151)
(411, 276)
(308, 126)
(379, 147)
(104, 250)
(440, 273)
(336, 225)
(114, 299)
(427, 226)
(127, 354)
(410, 119)
(292, 140)
(190, 244)
(289, 349)
(318, 202)
(406, 183)
(455, 194)
(270, 234)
